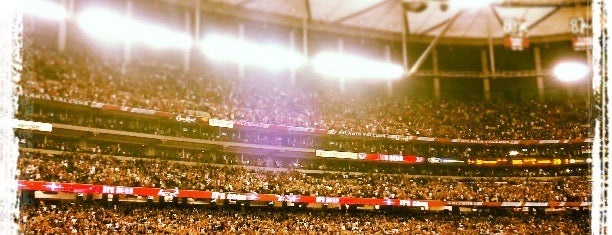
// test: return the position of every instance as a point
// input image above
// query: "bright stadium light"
(108, 25)
(354, 67)
(470, 4)
(270, 56)
(570, 71)
(44, 9)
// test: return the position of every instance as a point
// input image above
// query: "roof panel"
(432, 16)
(386, 16)
(525, 15)
(464, 22)
(233, 2)
(547, 17)
(286, 7)
(332, 10)
(559, 22)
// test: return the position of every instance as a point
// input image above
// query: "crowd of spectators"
(66, 218)
(97, 169)
(98, 119)
(305, 163)
(78, 74)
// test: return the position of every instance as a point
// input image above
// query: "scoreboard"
(516, 34)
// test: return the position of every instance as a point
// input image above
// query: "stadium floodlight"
(354, 67)
(44, 9)
(570, 71)
(470, 4)
(108, 25)
(270, 56)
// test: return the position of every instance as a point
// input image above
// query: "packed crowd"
(163, 126)
(313, 163)
(96, 169)
(64, 218)
(80, 75)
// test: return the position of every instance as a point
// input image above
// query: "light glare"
(44, 9)
(354, 67)
(111, 26)
(570, 71)
(270, 56)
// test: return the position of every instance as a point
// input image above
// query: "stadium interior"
(306, 117)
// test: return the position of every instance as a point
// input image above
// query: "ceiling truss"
(379, 26)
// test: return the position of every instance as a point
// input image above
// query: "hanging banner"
(29, 125)
(196, 194)
(221, 123)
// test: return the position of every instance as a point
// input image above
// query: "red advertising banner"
(516, 43)
(370, 156)
(582, 43)
(393, 158)
(196, 194)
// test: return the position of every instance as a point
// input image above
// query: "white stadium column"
(305, 37)
(187, 59)
(484, 61)
(127, 46)
(292, 48)
(491, 55)
(538, 67)
(405, 50)
(341, 80)
(434, 59)
(388, 60)
(61, 32)
(197, 12)
(241, 62)
(486, 86)
(70, 9)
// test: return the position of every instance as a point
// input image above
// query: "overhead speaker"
(443, 6)
(415, 7)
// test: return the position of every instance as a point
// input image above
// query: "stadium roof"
(545, 20)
